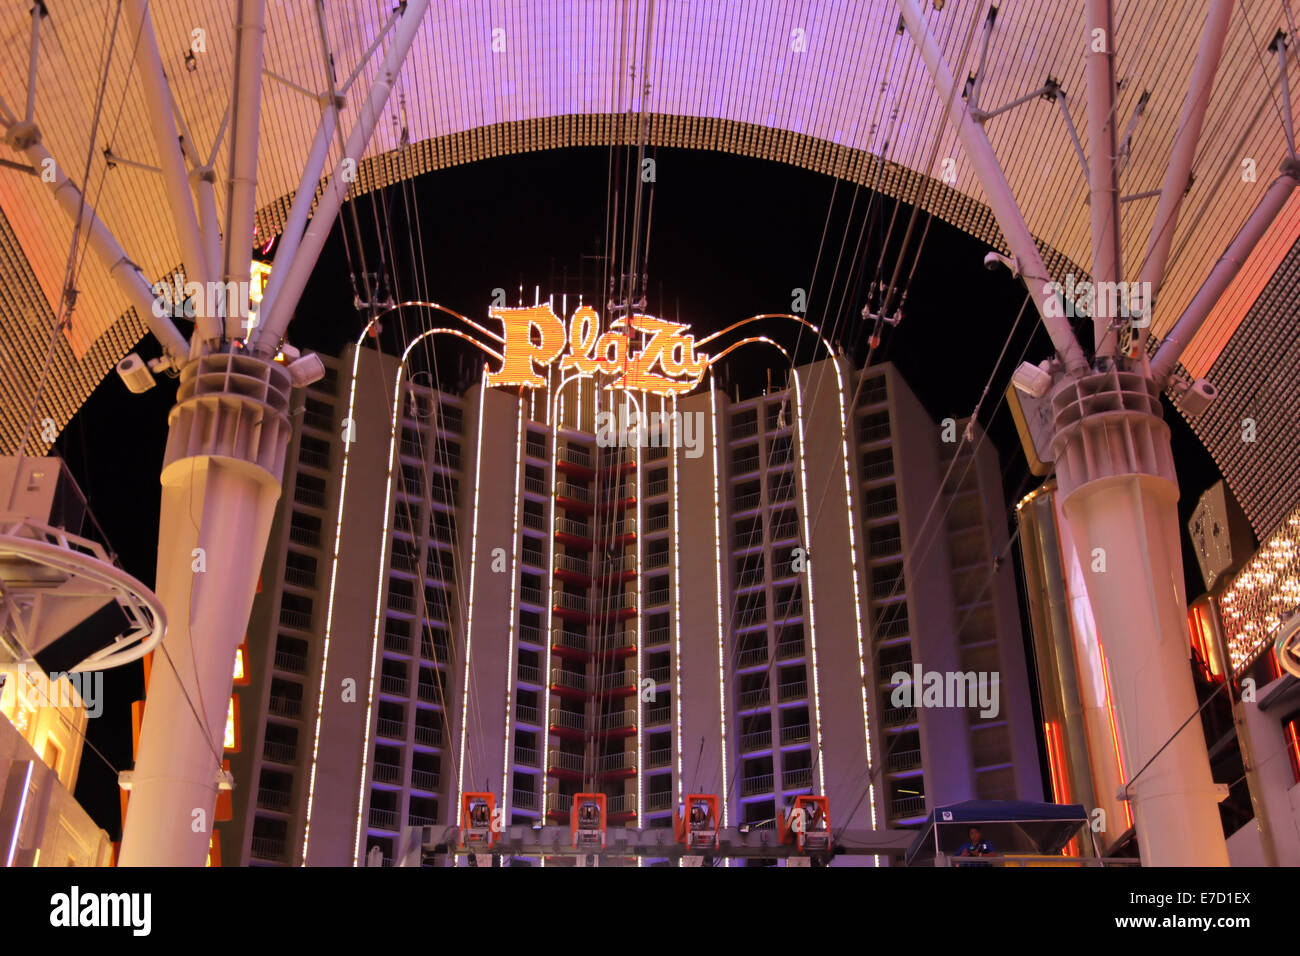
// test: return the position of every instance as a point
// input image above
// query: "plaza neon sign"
(534, 336)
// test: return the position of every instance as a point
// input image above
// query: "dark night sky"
(731, 237)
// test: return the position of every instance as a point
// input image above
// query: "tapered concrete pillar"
(1119, 492)
(221, 479)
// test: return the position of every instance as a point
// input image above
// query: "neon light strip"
(717, 560)
(350, 423)
(22, 810)
(557, 402)
(379, 608)
(673, 418)
(469, 615)
(507, 791)
(863, 667)
(1114, 731)
(812, 617)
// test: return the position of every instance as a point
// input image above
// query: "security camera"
(995, 259)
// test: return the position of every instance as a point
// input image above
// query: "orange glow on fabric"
(521, 353)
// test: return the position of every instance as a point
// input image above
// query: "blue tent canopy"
(1012, 827)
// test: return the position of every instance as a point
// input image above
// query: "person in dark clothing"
(976, 845)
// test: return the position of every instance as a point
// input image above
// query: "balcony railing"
(526, 713)
(874, 470)
(879, 509)
(750, 699)
(575, 455)
(656, 523)
(401, 602)
(268, 848)
(659, 758)
(526, 756)
(429, 693)
(658, 635)
(397, 686)
(290, 663)
(881, 547)
(655, 716)
(273, 799)
(535, 521)
(559, 803)
(397, 643)
(428, 736)
(749, 786)
(900, 715)
(314, 459)
(657, 560)
(303, 536)
(387, 773)
(785, 531)
(887, 671)
(301, 620)
(392, 729)
(383, 819)
(901, 760)
(571, 763)
(284, 707)
(426, 780)
(657, 487)
(570, 602)
(757, 741)
(578, 529)
(279, 752)
(536, 485)
(659, 675)
(795, 734)
(655, 802)
(300, 577)
(794, 690)
(889, 587)
(524, 799)
(785, 650)
(873, 433)
(796, 779)
(530, 673)
(567, 719)
(568, 489)
(570, 679)
(533, 595)
(565, 562)
(752, 657)
(619, 565)
(907, 806)
(743, 429)
(748, 502)
(618, 720)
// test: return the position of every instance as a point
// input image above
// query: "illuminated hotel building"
(518, 608)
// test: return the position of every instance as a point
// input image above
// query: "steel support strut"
(1000, 198)
(172, 163)
(1179, 170)
(1103, 183)
(250, 31)
(1224, 271)
(271, 330)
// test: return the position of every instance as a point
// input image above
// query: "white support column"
(299, 270)
(1224, 271)
(1119, 493)
(1003, 203)
(27, 138)
(158, 104)
(1103, 182)
(221, 480)
(1179, 170)
(250, 30)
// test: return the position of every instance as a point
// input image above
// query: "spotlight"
(191, 61)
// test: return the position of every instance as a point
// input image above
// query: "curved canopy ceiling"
(831, 85)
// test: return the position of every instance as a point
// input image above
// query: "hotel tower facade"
(484, 592)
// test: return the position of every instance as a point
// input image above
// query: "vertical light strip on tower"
(469, 613)
(379, 606)
(717, 561)
(348, 425)
(677, 596)
(506, 789)
(812, 617)
(857, 593)
(644, 403)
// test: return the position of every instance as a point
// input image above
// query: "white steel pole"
(1224, 271)
(158, 103)
(26, 137)
(291, 235)
(1179, 170)
(270, 331)
(1000, 198)
(250, 30)
(1103, 183)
